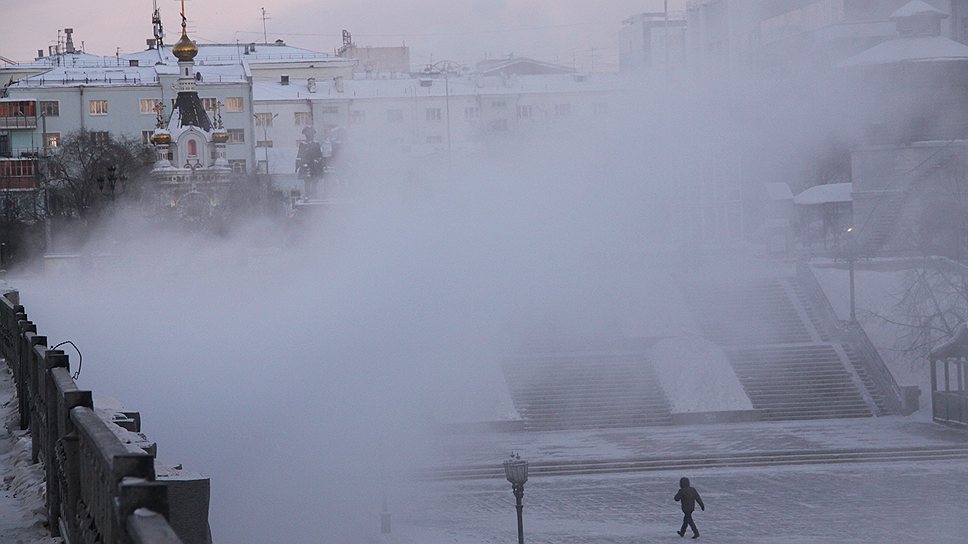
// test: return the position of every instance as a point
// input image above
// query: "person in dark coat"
(688, 497)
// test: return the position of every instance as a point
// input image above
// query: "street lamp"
(850, 268)
(111, 183)
(516, 471)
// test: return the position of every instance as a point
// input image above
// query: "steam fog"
(308, 383)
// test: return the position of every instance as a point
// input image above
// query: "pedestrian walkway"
(867, 503)
(895, 496)
(22, 510)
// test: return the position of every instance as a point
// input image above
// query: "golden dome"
(220, 136)
(161, 137)
(184, 48)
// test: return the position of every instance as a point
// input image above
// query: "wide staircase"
(781, 350)
(600, 388)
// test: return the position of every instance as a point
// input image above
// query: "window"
(97, 107)
(524, 112)
(471, 113)
(600, 108)
(149, 105)
(100, 137)
(50, 108)
(499, 104)
(263, 143)
(17, 169)
(238, 165)
(52, 139)
(263, 119)
(236, 136)
(433, 114)
(394, 116)
(329, 109)
(192, 148)
(357, 117)
(233, 104)
(210, 104)
(563, 110)
(303, 118)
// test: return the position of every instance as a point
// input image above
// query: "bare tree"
(91, 170)
(934, 296)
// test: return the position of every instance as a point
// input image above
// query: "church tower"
(191, 176)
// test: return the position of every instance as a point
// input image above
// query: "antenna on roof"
(265, 35)
(156, 27)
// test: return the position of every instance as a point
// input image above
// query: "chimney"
(70, 40)
(284, 80)
(150, 42)
(311, 83)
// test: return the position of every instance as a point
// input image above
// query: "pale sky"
(461, 30)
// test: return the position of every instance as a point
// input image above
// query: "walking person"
(688, 497)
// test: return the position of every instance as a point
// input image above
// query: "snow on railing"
(99, 488)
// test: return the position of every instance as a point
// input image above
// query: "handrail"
(855, 335)
(99, 489)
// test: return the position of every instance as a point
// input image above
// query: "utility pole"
(666, 9)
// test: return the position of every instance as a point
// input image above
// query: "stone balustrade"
(100, 488)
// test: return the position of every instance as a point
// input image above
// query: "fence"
(100, 490)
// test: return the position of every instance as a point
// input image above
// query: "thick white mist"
(306, 387)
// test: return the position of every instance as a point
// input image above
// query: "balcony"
(22, 152)
(18, 121)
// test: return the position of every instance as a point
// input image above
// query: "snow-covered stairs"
(805, 381)
(589, 389)
(760, 312)
(781, 350)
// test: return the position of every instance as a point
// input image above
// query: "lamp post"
(850, 269)
(111, 184)
(516, 471)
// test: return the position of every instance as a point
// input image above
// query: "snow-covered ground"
(22, 510)
(697, 377)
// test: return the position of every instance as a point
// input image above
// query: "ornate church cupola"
(918, 18)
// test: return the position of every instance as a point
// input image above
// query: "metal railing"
(852, 333)
(99, 489)
(18, 121)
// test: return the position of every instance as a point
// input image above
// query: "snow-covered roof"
(493, 66)
(916, 7)
(778, 191)
(233, 54)
(910, 49)
(115, 75)
(456, 86)
(823, 194)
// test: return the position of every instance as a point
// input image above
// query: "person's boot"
(681, 533)
(695, 536)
